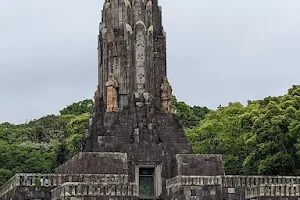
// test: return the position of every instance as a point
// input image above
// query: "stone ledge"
(28, 192)
(233, 181)
(250, 181)
(33, 180)
(94, 190)
(193, 180)
(279, 190)
(229, 187)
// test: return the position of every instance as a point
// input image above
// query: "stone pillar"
(102, 190)
(297, 190)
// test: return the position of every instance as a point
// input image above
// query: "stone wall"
(199, 165)
(207, 192)
(234, 187)
(280, 191)
(180, 187)
(250, 181)
(37, 182)
(23, 192)
(95, 163)
(195, 187)
(103, 191)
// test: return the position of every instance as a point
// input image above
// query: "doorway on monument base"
(149, 181)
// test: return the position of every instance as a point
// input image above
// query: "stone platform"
(106, 186)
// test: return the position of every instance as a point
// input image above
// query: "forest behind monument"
(262, 137)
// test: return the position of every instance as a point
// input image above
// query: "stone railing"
(232, 181)
(279, 190)
(93, 178)
(9, 185)
(28, 180)
(193, 180)
(250, 181)
(93, 189)
(48, 180)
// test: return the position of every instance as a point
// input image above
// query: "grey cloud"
(226, 50)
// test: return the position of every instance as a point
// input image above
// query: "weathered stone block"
(95, 163)
(199, 165)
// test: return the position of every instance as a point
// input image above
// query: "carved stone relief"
(97, 93)
(140, 56)
(137, 10)
(166, 95)
(112, 93)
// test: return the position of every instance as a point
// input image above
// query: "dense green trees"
(75, 129)
(41, 145)
(262, 137)
(189, 116)
(78, 108)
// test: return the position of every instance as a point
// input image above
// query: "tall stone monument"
(133, 111)
(134, 147)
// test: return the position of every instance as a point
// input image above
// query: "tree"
(260, 138)
(189, 117)
(76, 128)
(39, 146)
(78, 108)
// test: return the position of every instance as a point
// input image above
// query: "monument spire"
(133, 104)
(132, 47)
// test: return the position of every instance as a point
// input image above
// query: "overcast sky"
(219, 51)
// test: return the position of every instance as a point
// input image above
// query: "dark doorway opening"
(146, 183)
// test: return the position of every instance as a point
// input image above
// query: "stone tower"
(132, 48)
(133, 129)
(133, 111)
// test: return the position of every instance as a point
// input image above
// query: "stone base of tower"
(105, 174)
(115, 131)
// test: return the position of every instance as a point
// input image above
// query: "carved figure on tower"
(96, 94)
(166, 95)
(112, 93)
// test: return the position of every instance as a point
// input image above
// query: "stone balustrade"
(232, 181)
(193, 180)
(9, 185)
(278, 190)
(250, 181)
(254, 185)
(93, 189)
(47, 180)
